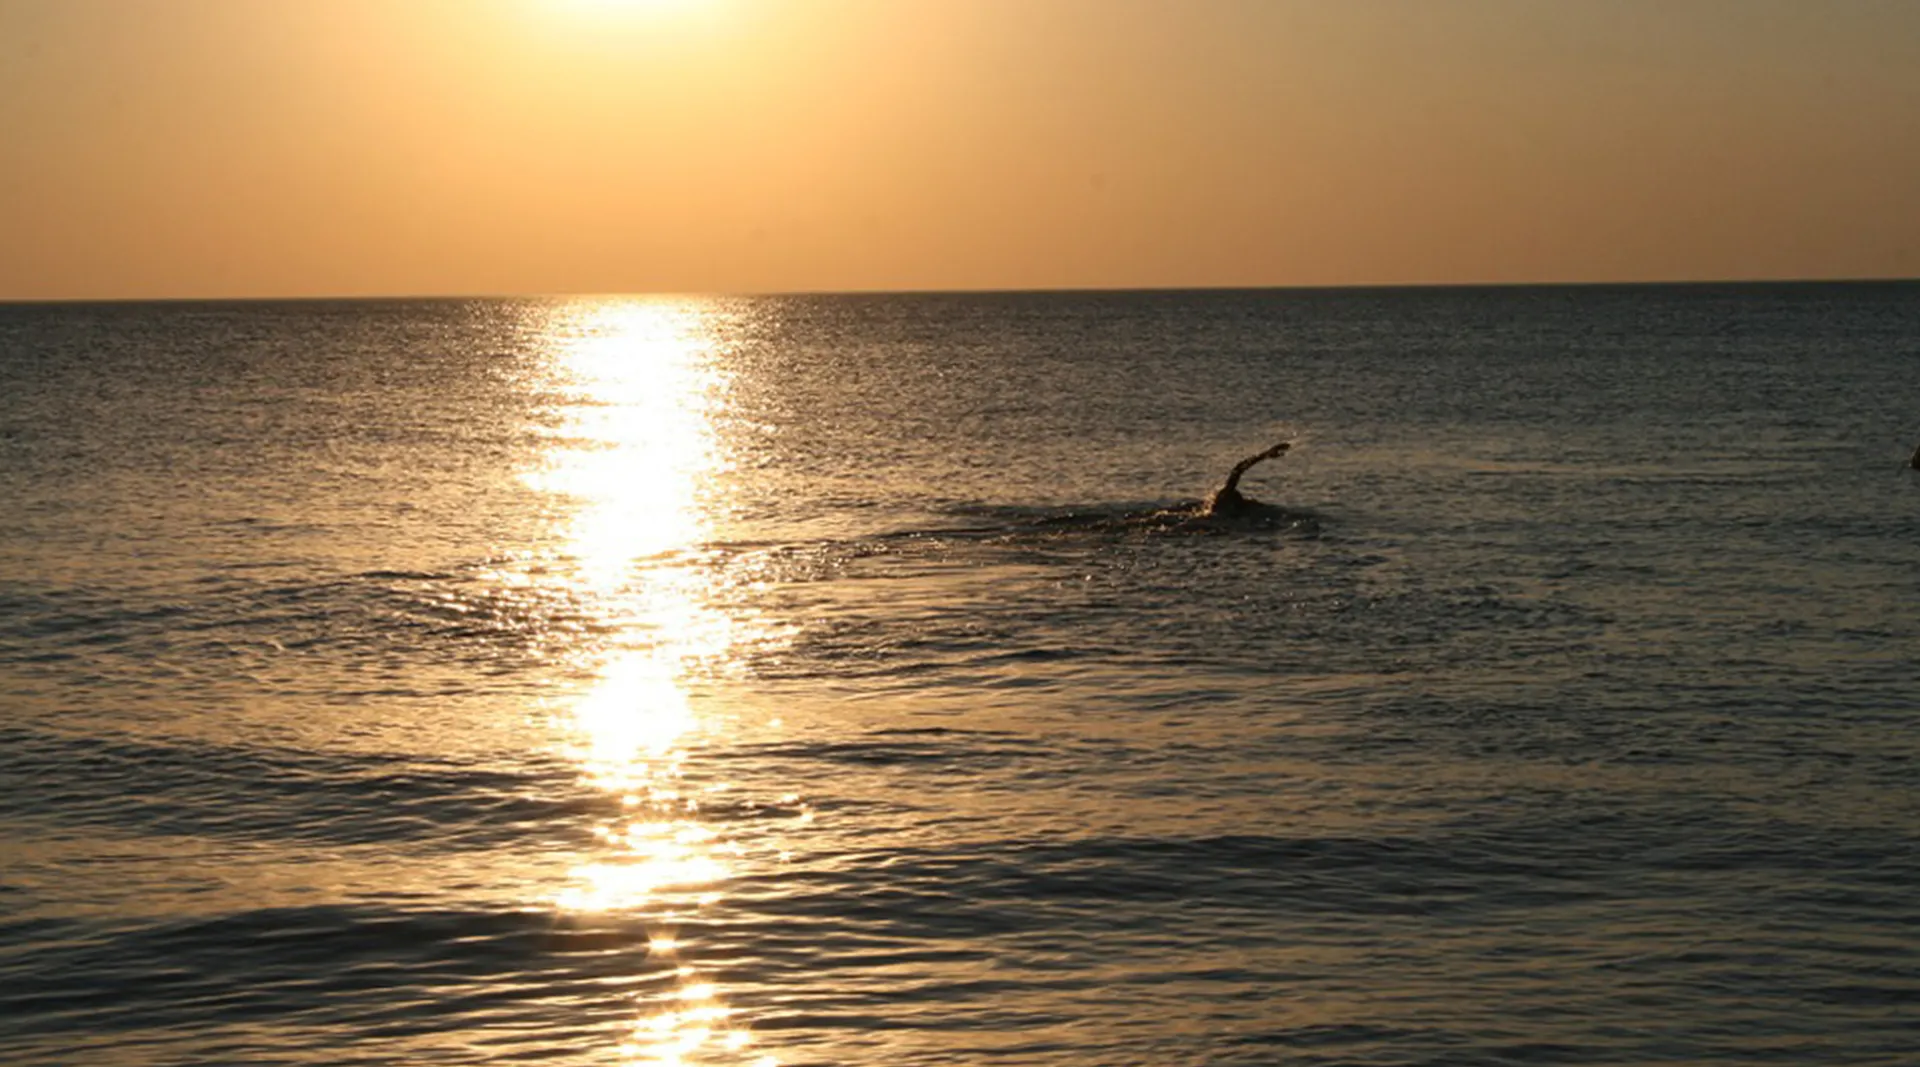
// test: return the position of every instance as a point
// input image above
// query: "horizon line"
(775, 294)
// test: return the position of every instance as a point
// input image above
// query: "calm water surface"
(834, 680)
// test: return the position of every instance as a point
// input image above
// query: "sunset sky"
(182, 148)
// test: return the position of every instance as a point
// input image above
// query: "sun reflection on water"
(637, 447)
(633, 464)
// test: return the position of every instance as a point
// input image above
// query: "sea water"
(845, 680)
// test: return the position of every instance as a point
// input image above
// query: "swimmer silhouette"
(1915, 461)
(1226, 501)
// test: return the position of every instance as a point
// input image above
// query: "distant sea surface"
(846, 680)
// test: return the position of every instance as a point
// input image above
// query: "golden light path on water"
(634, 460)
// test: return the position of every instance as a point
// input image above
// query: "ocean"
(846, 680)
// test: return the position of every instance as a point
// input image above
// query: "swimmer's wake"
(1224, 511)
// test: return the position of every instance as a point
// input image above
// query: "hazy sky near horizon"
(181, 148)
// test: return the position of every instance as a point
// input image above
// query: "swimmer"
(1226, 501)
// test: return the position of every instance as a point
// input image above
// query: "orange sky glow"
(242, 148)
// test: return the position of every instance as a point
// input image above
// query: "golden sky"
(176, 148)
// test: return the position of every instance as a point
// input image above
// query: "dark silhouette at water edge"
(1227, 501)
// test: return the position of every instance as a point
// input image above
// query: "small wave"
(436, 971)
(383, 632)
(929, 751)
(252, 792)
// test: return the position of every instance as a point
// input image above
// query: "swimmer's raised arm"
(1232, 484)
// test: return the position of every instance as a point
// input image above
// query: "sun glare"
(628, 6)
(638, 387)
